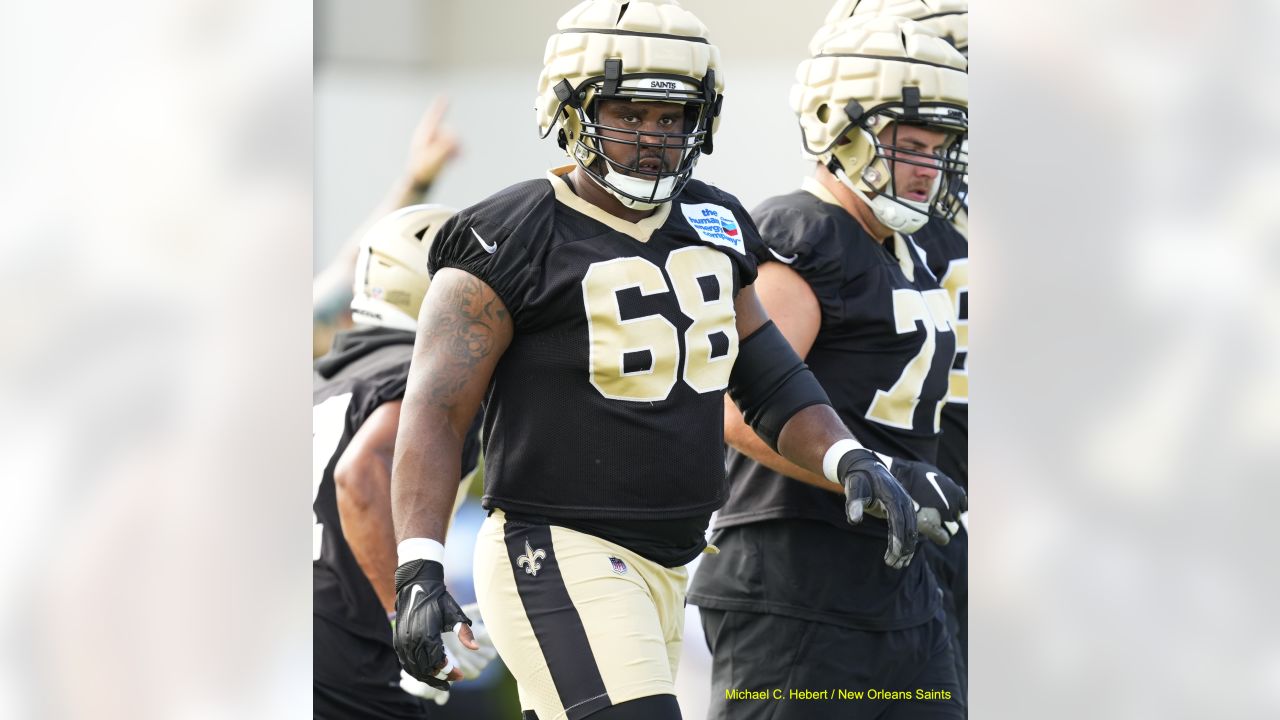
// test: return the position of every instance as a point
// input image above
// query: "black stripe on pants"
(555, 621)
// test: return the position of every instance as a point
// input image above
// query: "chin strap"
(898, 215)
(635, 186)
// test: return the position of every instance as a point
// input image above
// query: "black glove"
(941, 500)
(424, 609)
(869, 486)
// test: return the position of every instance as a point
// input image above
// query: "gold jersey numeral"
(956, 282)
(896, 406)
(611, 338)
(702, 372)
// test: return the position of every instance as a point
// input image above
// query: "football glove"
(469, 662)
(870, 487)
(424, 610)
(941, 500)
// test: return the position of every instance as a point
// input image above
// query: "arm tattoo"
(462, 333)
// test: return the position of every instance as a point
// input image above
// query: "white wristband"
(419, 549)
(831, 461)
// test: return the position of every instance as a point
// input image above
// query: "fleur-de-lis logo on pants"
(529, 560)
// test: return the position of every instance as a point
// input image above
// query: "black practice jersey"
(608, 403)
(365, 369)
(882, 353)
(946, 251)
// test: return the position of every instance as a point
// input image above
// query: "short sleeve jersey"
(882, 353)
(608, 403)
(367, 369)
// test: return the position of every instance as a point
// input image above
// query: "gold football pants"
(581, 623)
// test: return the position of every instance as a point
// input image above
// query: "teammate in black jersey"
(796, 597)
(944, 248)
(358, 389)
(601, 313)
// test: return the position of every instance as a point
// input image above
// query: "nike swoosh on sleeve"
(782, 259)
(490, 248)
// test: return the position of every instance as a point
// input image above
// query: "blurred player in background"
(601, 313)
(797, 598)
(432, 147)
(944, 248)
(358, 389)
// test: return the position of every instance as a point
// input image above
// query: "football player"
(602, 312)
(358, 389)
(944, 248)
(797, 597)
(433, 146)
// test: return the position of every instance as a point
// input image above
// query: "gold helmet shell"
(865, 74)
(948, 19)
(391, 267)
(649, 50)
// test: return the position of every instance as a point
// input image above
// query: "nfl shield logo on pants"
(618, 566)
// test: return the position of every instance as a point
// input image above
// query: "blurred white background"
(156, 243)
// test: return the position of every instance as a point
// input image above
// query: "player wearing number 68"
(601, 313)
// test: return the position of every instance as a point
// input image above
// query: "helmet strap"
(616, 184)
(894, 214)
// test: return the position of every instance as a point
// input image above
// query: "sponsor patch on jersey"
(714, 224)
